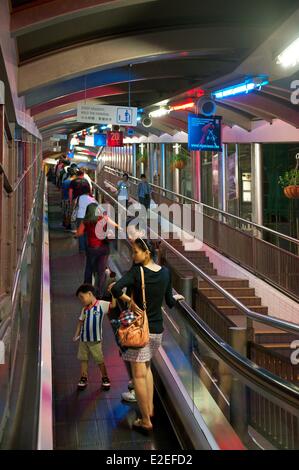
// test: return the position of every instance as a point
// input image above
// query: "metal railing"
(273, 264)
(258, 391)
(14, 325)
(268, 404)
(255, 389)
(194, 201)
(20, 165)
(272, 321)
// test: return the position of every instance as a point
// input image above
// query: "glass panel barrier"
(242, 404)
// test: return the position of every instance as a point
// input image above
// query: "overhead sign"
(105, 114)
(60, 136)
(100, 140)
(204, 133)
(89, 141)
(115, 139)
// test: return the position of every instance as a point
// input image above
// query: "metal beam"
(277, 108)
(153, 46)
(33, 17)
(98, 92)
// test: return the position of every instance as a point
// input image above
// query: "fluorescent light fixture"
(159, 112)
(290, 56)
(246, 87)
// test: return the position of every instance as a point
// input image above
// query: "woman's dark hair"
(145, 245)
(126, 174)
(70, 171)
(85, 190)
(143, 175)
(84, 288)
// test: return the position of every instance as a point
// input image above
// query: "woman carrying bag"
(157, 286)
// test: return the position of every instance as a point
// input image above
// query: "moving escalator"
(209, 396)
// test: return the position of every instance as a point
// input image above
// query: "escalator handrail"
(255, 375)
(272, 321)
(45, 415)
(218, 211)
(282, 389)
(262, 378)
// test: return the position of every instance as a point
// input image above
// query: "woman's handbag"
(136, 334)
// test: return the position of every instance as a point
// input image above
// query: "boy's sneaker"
(130, 385)
(106, 383)
(129, 396)
(82, 383)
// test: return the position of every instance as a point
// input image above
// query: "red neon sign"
(182, 106)
(115, 139)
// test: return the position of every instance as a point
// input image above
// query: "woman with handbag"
(150, 284)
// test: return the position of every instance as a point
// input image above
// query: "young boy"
(89, 330)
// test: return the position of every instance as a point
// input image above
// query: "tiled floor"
(91, 419)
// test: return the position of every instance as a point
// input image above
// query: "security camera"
(206, 106)
(146, 121)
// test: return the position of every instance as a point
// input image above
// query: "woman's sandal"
(138, 425)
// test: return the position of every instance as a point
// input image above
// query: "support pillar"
(196, 175)
(176, 181)
(223, 179)
(134, 160)
(163, 176)
(257, 183)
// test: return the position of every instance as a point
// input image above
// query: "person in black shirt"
(157, 287)
(79, 186)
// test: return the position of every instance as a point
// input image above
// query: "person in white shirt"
(123, 190)
(84, 200)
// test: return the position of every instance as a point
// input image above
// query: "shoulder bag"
(136, 334)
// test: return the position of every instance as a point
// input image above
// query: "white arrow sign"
(105, 114)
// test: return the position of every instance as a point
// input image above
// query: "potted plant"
(290, 183)
(142, 157)
(179, 160)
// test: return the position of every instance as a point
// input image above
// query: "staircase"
(270, 339)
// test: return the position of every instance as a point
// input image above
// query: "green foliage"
(289, 178)
(142, 157)
(182, 156)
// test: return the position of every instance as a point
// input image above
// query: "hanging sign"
(115, 139)
(105, 114)
(204, 133)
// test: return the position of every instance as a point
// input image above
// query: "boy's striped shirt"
(93, 320)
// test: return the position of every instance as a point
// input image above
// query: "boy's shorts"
(94, 348)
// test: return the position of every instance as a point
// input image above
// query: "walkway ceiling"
(146, 51)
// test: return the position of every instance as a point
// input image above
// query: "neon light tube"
(181, 106)
(239, 89)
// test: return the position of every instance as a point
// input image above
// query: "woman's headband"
(145, 244)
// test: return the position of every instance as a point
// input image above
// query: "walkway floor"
(91, 419)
